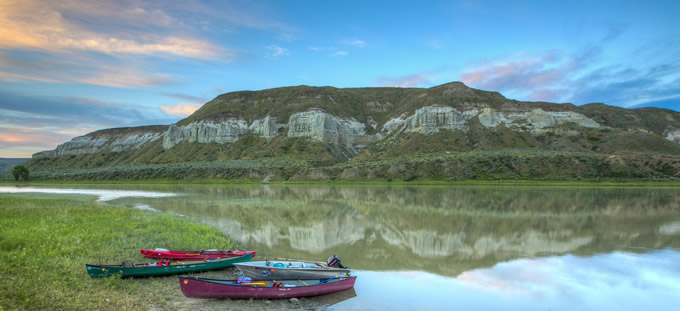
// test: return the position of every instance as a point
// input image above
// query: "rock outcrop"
(355, 118)
(327, 128)
(227, 131)
(430, 120)
(115, 140)
(673, 136)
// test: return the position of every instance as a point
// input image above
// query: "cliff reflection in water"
(441, 229)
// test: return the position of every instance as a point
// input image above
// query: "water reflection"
(104, 195)
(616, 281)
(443, 230)
(469, 247)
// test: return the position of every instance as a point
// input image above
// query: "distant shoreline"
(602, 183)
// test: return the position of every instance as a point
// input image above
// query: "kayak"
(161, 253)
(129, 269)
(222, 288)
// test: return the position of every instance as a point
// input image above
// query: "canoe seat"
(128, 264)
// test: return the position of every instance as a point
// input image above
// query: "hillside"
(447, 132)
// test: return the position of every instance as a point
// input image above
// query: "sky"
(71, 67)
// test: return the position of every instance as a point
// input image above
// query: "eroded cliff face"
(113, 142)
(673, 136)
(327, 128)
(343, 120)
(351, 134)
(227, 131)
(429, 120)
(324, 127)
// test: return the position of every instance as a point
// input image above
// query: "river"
(452, 247)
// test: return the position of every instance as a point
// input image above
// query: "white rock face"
(674, 136)
(433, 244)
(327, 128)
(108, 142)
(266, 127)
(536, 119)
(205, 132)
(430, 120)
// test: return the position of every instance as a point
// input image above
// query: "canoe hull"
(260, 271)
(98, 271)
(190, 255)
(216, 288)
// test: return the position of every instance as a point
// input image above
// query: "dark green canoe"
(177, 267)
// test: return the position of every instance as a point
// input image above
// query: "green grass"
(46, 240)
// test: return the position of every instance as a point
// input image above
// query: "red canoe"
(188, 255)
(218, 288)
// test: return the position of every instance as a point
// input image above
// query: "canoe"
(161, 253)
(289, 270)
(220, 288)
(129, 269)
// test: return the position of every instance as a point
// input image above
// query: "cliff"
(326, 127)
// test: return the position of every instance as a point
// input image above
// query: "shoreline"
(615, 183)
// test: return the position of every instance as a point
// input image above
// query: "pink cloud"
(534, 77)
(180, 110)
(405, 81)
(23, 142)
(40, 25)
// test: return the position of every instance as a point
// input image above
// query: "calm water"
(462, 247)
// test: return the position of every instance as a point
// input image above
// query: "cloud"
(62, 113)
(580, 78)
(13, 137)
(355, 43)
(340, 53)
(29, 124)
(180, 110)
(276, 51)
(532, 77)
(413, 80)
(185, 97)
(554, 280)
(86, 69)
(65, 26)
(286, 37)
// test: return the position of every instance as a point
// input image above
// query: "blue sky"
(71, 67)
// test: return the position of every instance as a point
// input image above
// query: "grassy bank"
(46, 240)
(602, 182)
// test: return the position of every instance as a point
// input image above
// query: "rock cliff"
(325, 125)
(112, 140)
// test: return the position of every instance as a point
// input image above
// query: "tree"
(20, 172)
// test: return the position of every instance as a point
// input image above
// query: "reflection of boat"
(129, 269)
(335, 298)
(293, 270)
(161, 253)
(219, 288)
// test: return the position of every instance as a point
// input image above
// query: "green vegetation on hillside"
(631, 144)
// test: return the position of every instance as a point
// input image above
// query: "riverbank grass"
(46, 240)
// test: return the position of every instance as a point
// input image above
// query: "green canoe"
(133, 270)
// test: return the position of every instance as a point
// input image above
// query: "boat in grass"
(267, 289)
(293, 269)
(129, 269)
(162, 253)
